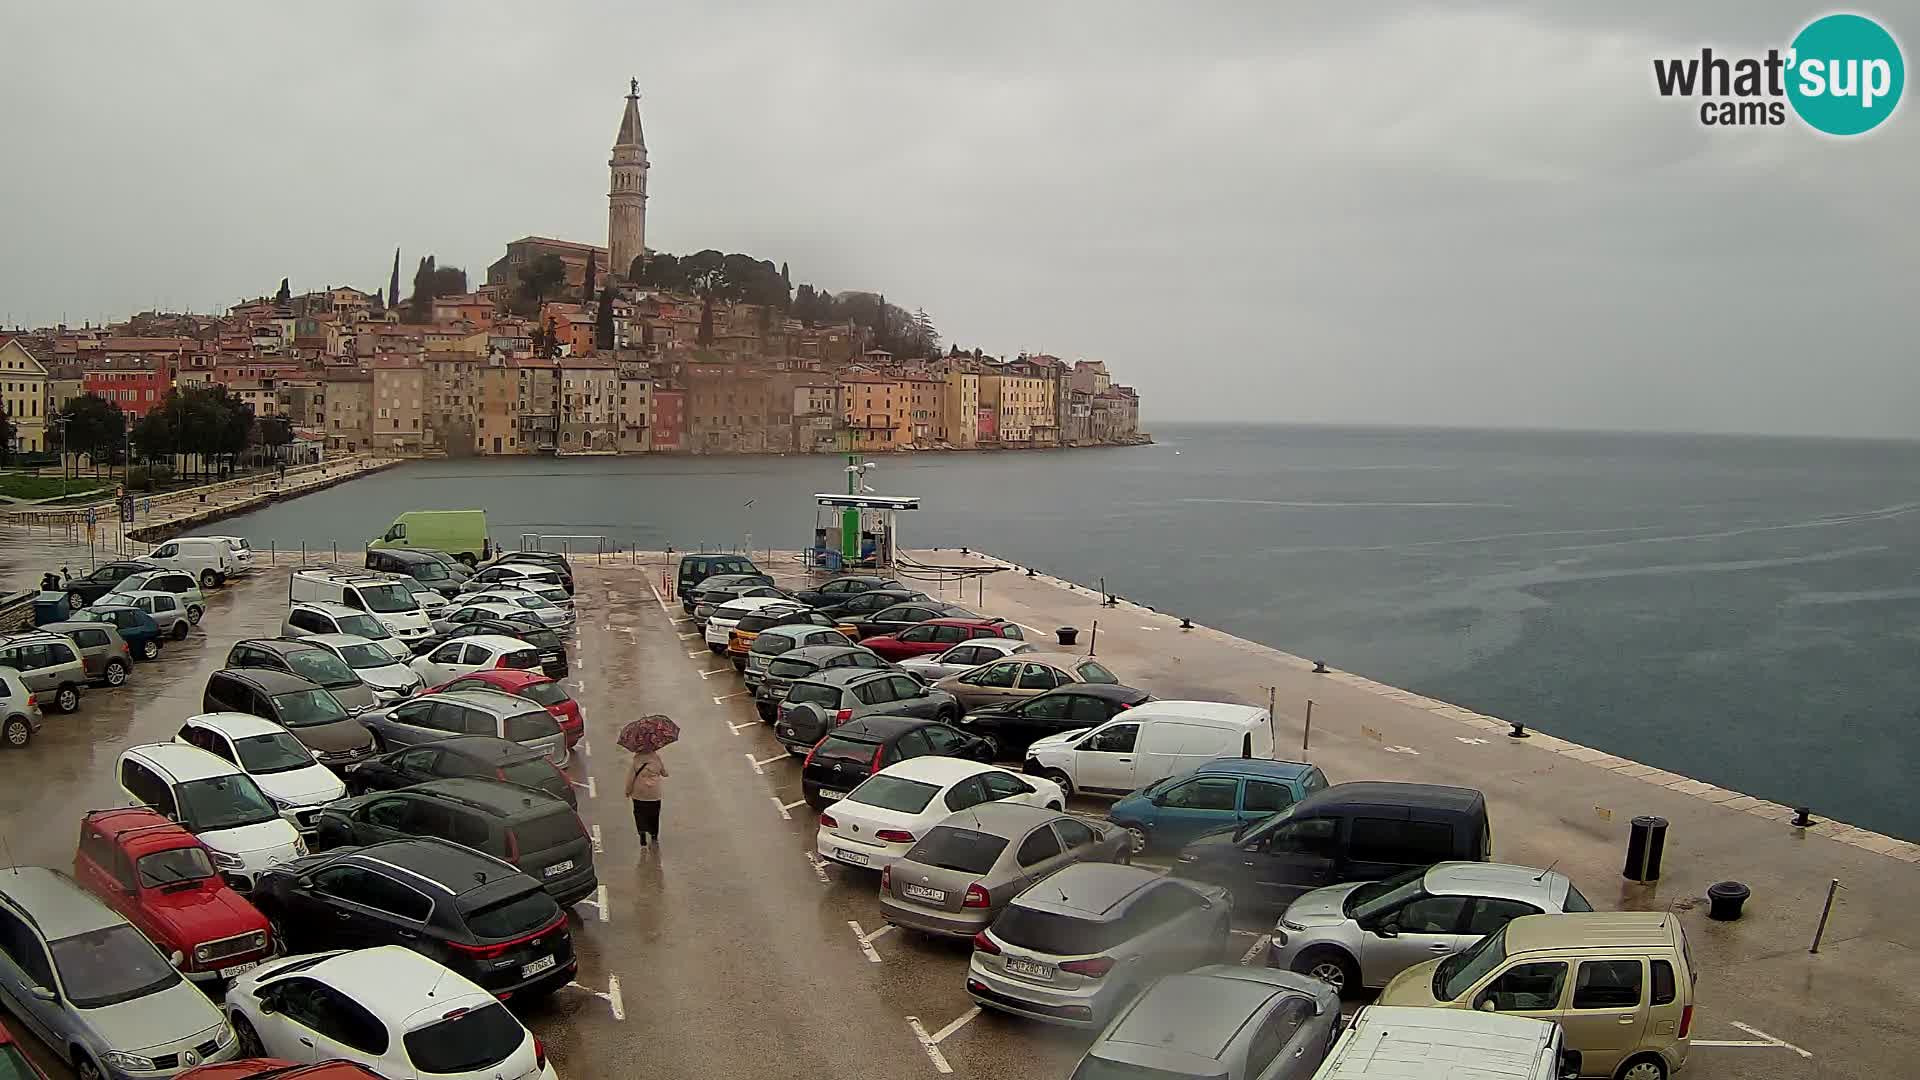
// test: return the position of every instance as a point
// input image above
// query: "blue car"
(1222, 794)
(136, 627)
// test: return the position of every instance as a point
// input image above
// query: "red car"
(244, 1068)
(938, 635)
(159, 875)
(13, 1060)
(531, 685)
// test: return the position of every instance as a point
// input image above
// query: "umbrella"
(648, 734)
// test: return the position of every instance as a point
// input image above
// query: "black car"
(551, 560)
(690, 598)
(845, 588)
(1014, 725)
(696, 568)
(892, 620)
(530, 829)
(421, 567)
(799, 663)
(82, 591)
(859, 748)
(866, 603)
(553, 652)
(478, 916)
(464, 755)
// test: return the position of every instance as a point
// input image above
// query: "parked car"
(211, 560)
(783, 670)
(908, 614)
(551, 615)
(962, 873)
(542, 581)
(1151, 741)
(964, 657)
(49, 665)
(283, 767)
(536, 832)
(460, 533)
(552, 560)
(1364, 933)
(713, 599)
(470, 610)
(19, 710)
(859, 748)
(433, 603)
(779, 640)
(1383, 1038)
(1348, 832)
(216, 801)
(693, 597)
(930, 638)
(843, 588)
(1222, 1021)
(178, 582)
(826, 699)
(305, 618)
(240, 561)
(531, 685)
(1627, 1007)
(107, 657)
(90, 984)
(308, 659)
(400, 1014)
(272, 1068)
(1222, 794)
(480, 917)
(82, 591)
(695, 568)
(432, 717)
(13, 1063)
(462, 755)
(376, 594)
(477, 653)
(134, 626)
(303, 707)
(871, 601)
(719, 625)
(165, 609)
(749, 627)
(420, 566)
(1077, 946)
(1010, 680)
(553, 652)
(161, 878)
(1016, 726)
(391, 680)
(888, 812)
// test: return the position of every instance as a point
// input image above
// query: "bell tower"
(627, 196)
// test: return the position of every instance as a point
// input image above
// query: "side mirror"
(269, 1004)
(1485, 1004)
(1570, 1064)
(1385, 930)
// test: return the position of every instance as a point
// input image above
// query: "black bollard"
(1725, 898)
(1646, 843)
(1068, 634)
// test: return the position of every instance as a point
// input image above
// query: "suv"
(178, 582)
(319, 665)
(108, 658)
(534, 831)
(694, 569)
(823, 701)
(49, 664)
(216, 801)
(782, 670)
(939, 635)
(778, 640)
(1223, 794)
(322, 617)
(859, 748)
(82, 591)
(376, 594)
(473, 913)
(314, 716)
(432, 717)
(417, 565)
(740, 640)
(463, 755)
(694, 597)
(1015, 726)
(161, 878)
(164, 608)
(866, 603)
(104, 999)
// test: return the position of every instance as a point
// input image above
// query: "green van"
(460, 533)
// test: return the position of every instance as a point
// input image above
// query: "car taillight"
(1092, 969)
(125, 649)
(985, 944)
(1125, 705)
(539, 1053)
(32, 700)
(886, 878)
(977, 897)
(843, 716)
(827, 822)
(480, 952)
(1686, 1021)
(894, 836)
(877, 755)
(513, 847)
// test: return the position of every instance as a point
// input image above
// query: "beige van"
(1619, 984)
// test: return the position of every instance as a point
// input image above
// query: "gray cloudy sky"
(1458, 214)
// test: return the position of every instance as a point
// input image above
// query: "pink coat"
(643, 779)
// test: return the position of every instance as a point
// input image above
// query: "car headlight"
(126, 1062)
(299, 845)
(201, 953)
(1186, 858)
(259, 939)
(278, 803)
(225, 1037)
(226, 862)
(1288, 924)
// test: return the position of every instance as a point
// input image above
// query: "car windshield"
(163, 868)
(546, 693)
(274, 752)
(1096, 1068)
(964, 850)
(788, 669)
(365, 626)
(223, 802)
(1054, 933)
(388, 599)
(322, 667)
(814, 694)
(1375, 898)
(894, 793)
(365, 656)
(430, 571)
(307, 708)
(516, 915)
(110, 965)
(1457, 973)
(466, 1041)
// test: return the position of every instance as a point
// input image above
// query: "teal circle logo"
(1846, 74)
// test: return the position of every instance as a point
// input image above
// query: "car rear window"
(894, 793)
(1575, 901)
(839, 746)
(548, 830)
(814, 694)
(516, 915)
(533, 773)
(539, 638)
(787, 669)
(521, 659)
(958, 849)
(531, 725)
(469, 1040)
(772, 644)
(753, 624)
(546, 693)
(1052, 932)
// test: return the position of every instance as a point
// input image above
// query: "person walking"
(643, 787)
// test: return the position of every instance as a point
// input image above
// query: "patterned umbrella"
(648, 734)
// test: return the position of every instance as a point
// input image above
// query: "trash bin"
(1646, 842)
(49, 607)
(1068, 634)
(1724, 899)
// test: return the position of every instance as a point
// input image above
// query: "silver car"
(1223, 1022)
(779, 640)
(19, 711)
(178, 582)
(390, 679)
(433, 717)
(1075, 948)
(964, 657)
(964, 870)
(308, 617)
(165, 607)
(95, 989)
(1365, 933)
(550, 614)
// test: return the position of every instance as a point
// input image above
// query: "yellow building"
(23, 394)
(957, 420)
(399, 404)
(1022, 407)
(348, 401)
(879, 413)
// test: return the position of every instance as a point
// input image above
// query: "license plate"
(527, 971)
(858, 858)
(1032, 969)
(921, 892)
(559, 868)
(832, 796)
(238, 969)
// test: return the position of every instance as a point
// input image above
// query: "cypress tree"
(586, 291)
(393, 283)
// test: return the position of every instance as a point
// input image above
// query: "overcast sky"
(1455, 215)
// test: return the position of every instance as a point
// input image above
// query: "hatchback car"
(178, 582)
(94, 988)
(135, 627)
(216, 801)
(49, 664)
(1077, 946)
(859, 748)
(964, 657)
(309, 617)
(695, 568)
(553, 652)
(775, 641)
(542, 581)
(1013, 679)
(19, 711)
(1364, 933)
(390, 679)
(477, 653)
(749, 627)
(871, 601)
(1222, 1021)
(901, 616)
(783, 670)
(469, 611)
(692, 598)
(165, 608)
(531, 685)
(463, 755)
(888, 812)
(552, 615)
(82, 591)
(550, 560)
(929, 638)
(485, 711)
(402, 1015)
(106, 655)
(1221, 794)
(965, 869)
(842, 588)
(1017, 725)
(283, 767)
(713, 599)
(718, 629)
(471, 912)
(309, 660)
(303, 707)
(825, 700)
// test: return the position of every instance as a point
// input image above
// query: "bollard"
(1724, 899)
(1820, 931)
(1519, 730)
(1094, 638)
(1319, 667)
(1306, 732)
(1646, 843)
(1186, 623)
(1802, 817)
(1068, 634)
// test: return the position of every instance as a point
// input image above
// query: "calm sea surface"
(1742, 610)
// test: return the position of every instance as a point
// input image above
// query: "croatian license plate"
(858, 858)
(527, 971)
(921, 892)
(832, 796)
(559, 868)
(238, 969)
(1032, 969)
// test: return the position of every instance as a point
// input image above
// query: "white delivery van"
(209, 560)
(1151, 742)
(376, 594)
(241, 561)
(1387, 1042)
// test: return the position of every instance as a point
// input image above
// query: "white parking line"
(865, 947)
(931, 1043)
(598, 903)
(585, 747)
(735, 728)
(781, 808)
(1760, 1039)
(941, 1035)
(690, 633)
(597, 846)
(593, 790)
(878, 934)
(692, 655)
(716, 671)
(611, 995)
(793, 804)
(1259, 946)
(755, 762)
(724, 698)
(761, 763)
(819, 867)
(664, 609)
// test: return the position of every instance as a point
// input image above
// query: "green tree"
(393, 283)
(273, 432)
(431, 282)
(586, 289)
(7, 435)
(541, 278)
(603, 321)
(284, 295)
(94, 428)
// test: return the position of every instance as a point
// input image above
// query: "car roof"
(456, 868)
(1111, 691)
(797, 630)
(840, 676)
(1193, 1013)
(1200, 710)
(1387, 793)
(496, 701)
(68, 626)
(270, 681)
(754, 603)
(184, 763)
(937, 770)
(487, 748)
(1086, 888)
(516, 676)
(500, 642)
(821, 653)
(999, 818)
(1069, 661)
(400, 976)
(524, 567)
(280, 645)
(879, 728)
(142, 826)
(1398, 1042)
(1591, 930)
(340, 640)
(56, 902)
(968, 622)
(235, 725)
(326, 607)
(501, 798)
(1503, 881)
(1262, 767)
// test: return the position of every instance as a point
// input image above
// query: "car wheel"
(248, 1038)
(193, 615)
(949, 717)
(1648, 1067)
(181, 629)
(150, 649)
(990, 746)
(207, 579)
(18, 732)
(67, 698)
(739, 664)
(715, 649)
(115, 673)
(1136, 840)
(1058, 777)
(75, 601)
(767, 712)
(1330, 966)
(466, 558)
(1057, 807)
(83, 1065)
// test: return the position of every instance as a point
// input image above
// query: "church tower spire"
(627, 197)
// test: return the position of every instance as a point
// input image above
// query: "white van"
(217, 802)
(242, 560)
(1150, 742)
(1386, 1042)
(376, 594)
(210, 560)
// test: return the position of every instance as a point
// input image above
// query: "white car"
(216, 801)
(543, 581)
(392, 680)
(550, 614)
(462, 656)
(400, 1014)
(178, 582)
(473, 611)
(963, 657)
(296, 784)
(892, 809)
(725, 617)
(319, 617)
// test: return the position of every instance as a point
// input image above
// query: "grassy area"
(28, 486)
